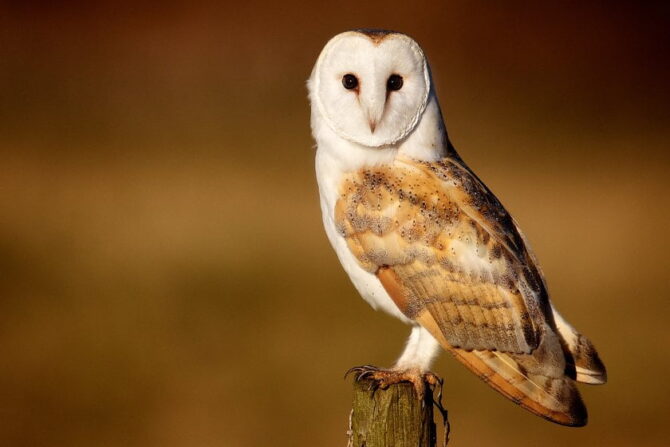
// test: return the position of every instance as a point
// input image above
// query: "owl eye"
(349, 81)
(394, 82)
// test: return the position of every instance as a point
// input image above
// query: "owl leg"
(419, 352)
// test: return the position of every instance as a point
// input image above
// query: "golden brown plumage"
(453, 260)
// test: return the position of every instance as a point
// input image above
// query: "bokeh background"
(164, 277)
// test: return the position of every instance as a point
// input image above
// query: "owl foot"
(383, 378)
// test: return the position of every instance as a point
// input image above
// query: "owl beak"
(375, 114)
(373, 101)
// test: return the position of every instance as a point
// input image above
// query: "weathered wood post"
(392, 417)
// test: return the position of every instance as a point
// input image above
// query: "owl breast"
(331, 177)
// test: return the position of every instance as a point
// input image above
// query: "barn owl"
(422, 238)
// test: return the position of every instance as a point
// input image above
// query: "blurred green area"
(165, 277)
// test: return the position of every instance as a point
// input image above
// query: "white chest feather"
(329, 177)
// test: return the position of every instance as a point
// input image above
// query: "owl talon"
(383, 378)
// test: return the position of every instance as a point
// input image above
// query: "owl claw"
(383, 378)
(360, 372)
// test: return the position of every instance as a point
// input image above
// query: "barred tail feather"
(583, 356)
(588, 366)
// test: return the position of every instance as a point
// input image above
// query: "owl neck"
(427, 142)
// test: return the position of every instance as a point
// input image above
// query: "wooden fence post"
(392, 417)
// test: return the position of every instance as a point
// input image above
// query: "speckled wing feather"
(451, 247)
(452, 259)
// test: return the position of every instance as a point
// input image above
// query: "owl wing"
(450, 248)
(452, 259)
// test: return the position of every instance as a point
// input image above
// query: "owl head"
(370, 87)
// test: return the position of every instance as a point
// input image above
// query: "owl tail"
(537, 381)
(583, 357)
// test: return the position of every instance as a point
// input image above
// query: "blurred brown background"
(165, 280)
